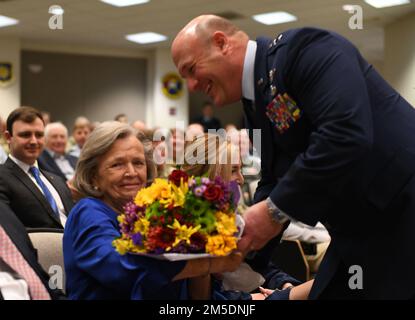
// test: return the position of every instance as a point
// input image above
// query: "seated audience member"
(38, 198)
(159, 138)
(230, 127)
(3, 155)
(81, 130)
(225, 161)
(139, 125)
(207, 119)
(21, 276)
(251, 161)
(122, 117)
(114, 164)
(94, 125)
(194, 130)
(174, 147)
(46, 117)
(53, 158)
(3, 142)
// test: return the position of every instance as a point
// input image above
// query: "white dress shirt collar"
(24, 166)
(248, 89)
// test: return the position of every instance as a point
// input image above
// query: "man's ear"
(221, 41)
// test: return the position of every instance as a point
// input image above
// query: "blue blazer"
(338, 146)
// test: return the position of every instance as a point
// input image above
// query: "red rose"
(213, 193)
(176, 175)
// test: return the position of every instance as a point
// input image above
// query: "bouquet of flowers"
(181, 215)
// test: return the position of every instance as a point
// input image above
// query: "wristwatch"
(275, 213)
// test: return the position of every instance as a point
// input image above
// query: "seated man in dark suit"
(38, 198)
(54, 159)
(21, 276)
(207, 119)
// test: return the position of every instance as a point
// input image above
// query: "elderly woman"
(114, 164)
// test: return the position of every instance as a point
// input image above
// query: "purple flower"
(180, 248)
(205, 180)
(158, 250)
(199, 190)
(191, 182)
(234, 189)
(130, 208)
(137, 239)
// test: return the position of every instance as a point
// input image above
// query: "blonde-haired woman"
(212, 155)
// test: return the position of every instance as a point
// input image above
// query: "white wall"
(10, 95)
(399, 64)
(158, 105)
(158, 64)
(84, 50)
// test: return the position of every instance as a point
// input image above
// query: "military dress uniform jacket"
(338, 146)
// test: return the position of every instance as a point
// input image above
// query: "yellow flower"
(158, 189)
(220, 245)
(179, 194)
(164, 191)
(184, 186)
(225, 224)
(144, 197)
(183, 232)
(138, 249)
(167, 196)
(122, 245)
(121, 219)
(141, 225)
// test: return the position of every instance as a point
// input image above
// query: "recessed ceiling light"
(274, 17)
(386, 3)
(6, 21)
(146, 37)
(124, 3)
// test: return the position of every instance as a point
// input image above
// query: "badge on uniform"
(283, 112)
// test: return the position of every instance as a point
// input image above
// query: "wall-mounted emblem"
(6, 74)
(172, 85)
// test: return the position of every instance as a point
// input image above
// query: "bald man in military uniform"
(337, 146)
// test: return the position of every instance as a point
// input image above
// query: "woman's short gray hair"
(97, 144)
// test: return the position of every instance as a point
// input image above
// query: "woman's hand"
(258, 296)
(205, 266)
(266, 292)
